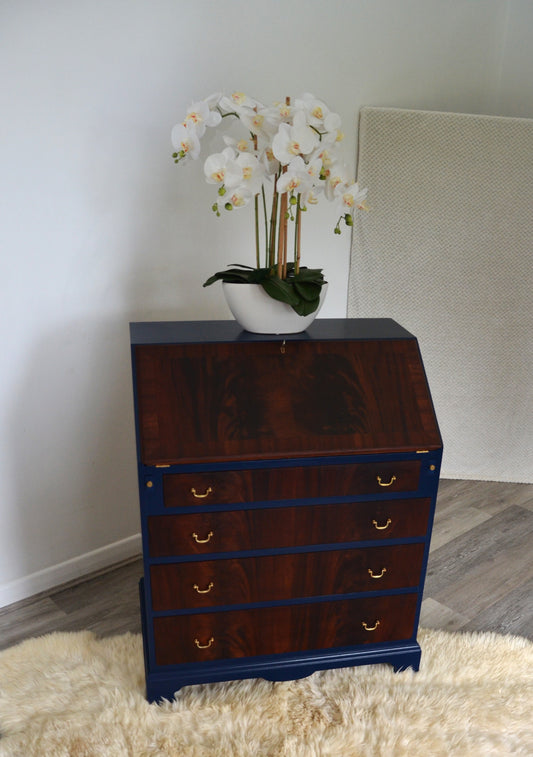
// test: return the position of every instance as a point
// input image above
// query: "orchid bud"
(348, 220)
(228, 206)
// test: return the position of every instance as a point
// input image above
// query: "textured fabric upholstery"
(446, 249)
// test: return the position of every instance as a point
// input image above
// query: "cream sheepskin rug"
(72, 694)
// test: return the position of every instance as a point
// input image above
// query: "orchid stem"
(273, 224)
(297, 237)
(282, 234)
(265, 214)
(256, 209)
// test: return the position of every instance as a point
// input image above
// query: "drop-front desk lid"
(207, 391)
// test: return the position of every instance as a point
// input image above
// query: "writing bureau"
(287, 489)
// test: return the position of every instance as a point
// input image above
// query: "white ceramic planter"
(255, 311)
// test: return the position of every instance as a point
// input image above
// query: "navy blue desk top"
(179, 332)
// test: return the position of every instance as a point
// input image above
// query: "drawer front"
(272, 528)
(279, 577)
(257, 485)
(277, 630)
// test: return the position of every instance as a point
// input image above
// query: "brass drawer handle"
(204, 646)
(385, 483)
(202, 541)
(207, 492)
(382, 528)
(377, 575)
(370, 628)
(203, 591)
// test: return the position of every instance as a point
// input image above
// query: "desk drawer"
(276, 630)
(279, 577)
(296, 526)
(303, 482)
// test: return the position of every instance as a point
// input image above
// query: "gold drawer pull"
(382, 528)
(384, 483)
(202, 541)
(207, 492)
(377, 575)
(204, 646)
(203, 591)
(370, 628)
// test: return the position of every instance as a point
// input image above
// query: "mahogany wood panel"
(278, 577)
(223, 487)
(296, 526)
(275, 630)
(253, 400)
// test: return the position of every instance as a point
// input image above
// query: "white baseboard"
(55, 575)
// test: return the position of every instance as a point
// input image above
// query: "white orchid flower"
(240, 145)
(326, 155)
(282, 112)
(221, 168)
(336, 175)
(238, 100)
(199, 116)
(296, 178)
(185, 141)
(332, 122)
(318, 114)
(350, 197)
(274, 116)
(310, 198)
(290, 141)
(315, 109)
(314, 169)
(250, 173)
(332, 133)
(213, 100)
(269, 161)
(261, 122)
(239, 198)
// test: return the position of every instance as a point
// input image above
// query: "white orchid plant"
(291, 147)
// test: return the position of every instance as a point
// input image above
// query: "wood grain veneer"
(267, 484)
(279, 577)
(278, 630)
(331, 400)
(236, 530)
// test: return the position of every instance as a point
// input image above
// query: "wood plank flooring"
(480, 574)
(480, 571)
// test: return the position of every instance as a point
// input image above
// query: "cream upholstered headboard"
(446, 249)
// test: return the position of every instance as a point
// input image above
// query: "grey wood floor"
(480, 574)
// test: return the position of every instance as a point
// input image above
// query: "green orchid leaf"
(280, 290)
(305, 307)
(232, 277)
(308, 290)
(310, 274)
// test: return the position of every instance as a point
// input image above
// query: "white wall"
(514, 93)
(99, 227)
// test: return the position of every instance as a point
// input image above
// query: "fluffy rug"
(74, 694)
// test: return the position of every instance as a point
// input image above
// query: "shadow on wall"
(72, 446)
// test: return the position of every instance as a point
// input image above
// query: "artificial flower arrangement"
(291, 146)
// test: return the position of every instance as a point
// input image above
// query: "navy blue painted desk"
(287, 490)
